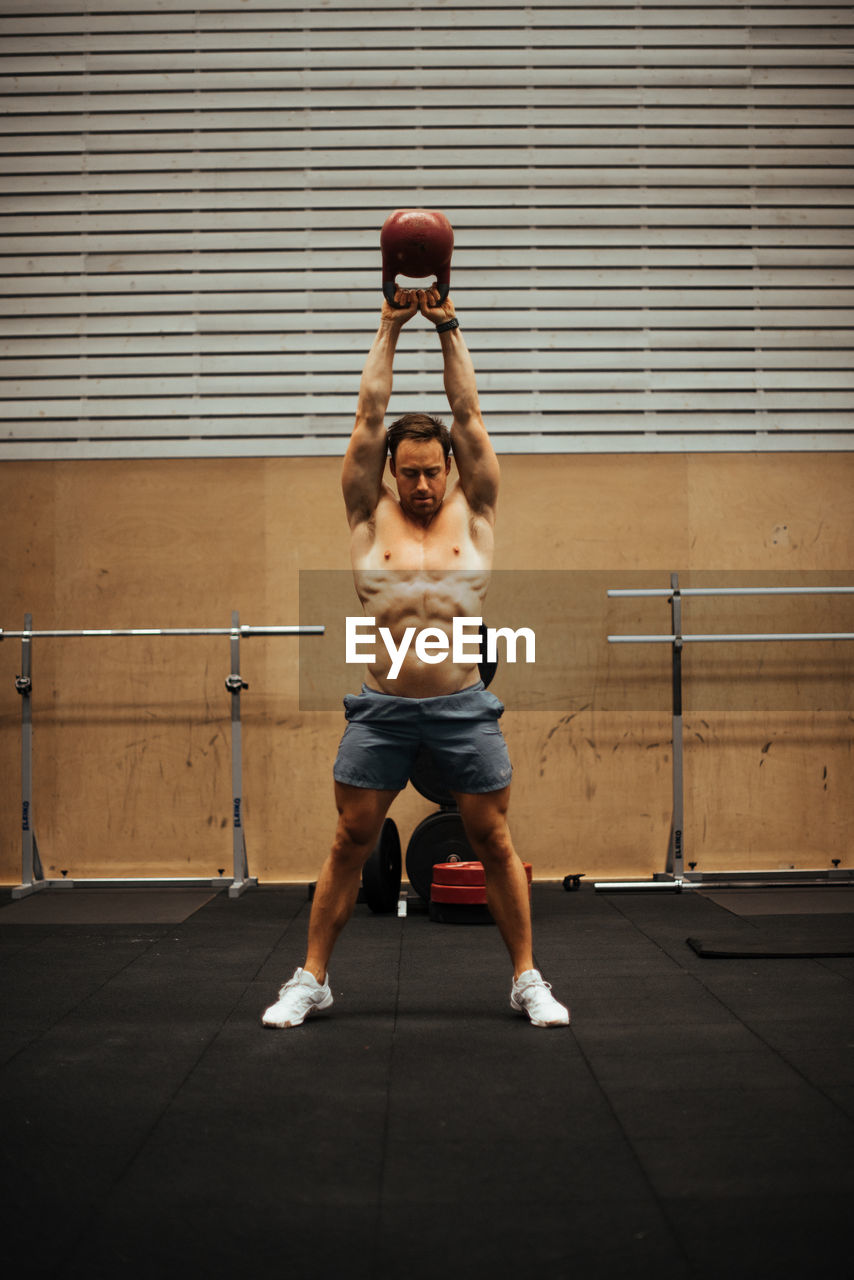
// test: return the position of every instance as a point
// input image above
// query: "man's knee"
(491, 842)
(356, 833)
(361, 812)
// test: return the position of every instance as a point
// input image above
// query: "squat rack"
(32, 871)
(674, 878)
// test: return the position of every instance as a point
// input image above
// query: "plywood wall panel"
(132, 735)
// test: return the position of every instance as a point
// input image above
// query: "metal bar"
(140, 882)
(676, 852)
(32, 876)
(165, 631)
(820, 877)
(25, 687)
(234, 683)
(662, 886)
(733, 591)
(281, 631)
(702, 639)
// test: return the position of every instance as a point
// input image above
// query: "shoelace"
(291, 982)
(535, 982)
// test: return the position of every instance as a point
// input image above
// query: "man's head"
(418, 426)
(420, 449)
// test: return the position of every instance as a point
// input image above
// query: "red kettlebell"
(417, 243)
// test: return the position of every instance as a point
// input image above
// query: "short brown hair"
(418, 426)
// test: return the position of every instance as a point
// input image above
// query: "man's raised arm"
(364, 462)
(475, 457)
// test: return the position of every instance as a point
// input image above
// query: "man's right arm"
(477, 464)
(364, 462)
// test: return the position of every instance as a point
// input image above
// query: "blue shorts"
(460, 730)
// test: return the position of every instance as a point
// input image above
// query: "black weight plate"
(440, 837)
(427, 779)
(382, 873)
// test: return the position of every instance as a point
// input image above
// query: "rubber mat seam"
(752, 1031)
(657, 1199)
(74, 1007)
(117, 1181)
(376, 1269)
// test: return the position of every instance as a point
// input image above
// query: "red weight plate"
(459, 873)
(467, 894)
(466, 873)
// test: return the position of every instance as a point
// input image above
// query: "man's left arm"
(475, 457)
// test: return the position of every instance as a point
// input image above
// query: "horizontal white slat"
(36, 54)
(604, 77)
(548, 123)
(500, 426)
(246, 234)
(330, 140)
(814, 234)
(496, 323)
(511, 348)
(292, 164)
(134, 42)
(698, 306)
(658, 124)
(611, 383)
(290, 267)
(466, 97)
(53, 18)
(59, 361)
(770, 46)
(31, 52)
(711, 282)
(383, 7)
(661, 185)
(155, 137)
(278, 255)
(647, 188)
(722, 441)
(566, 54)
(341, 407)
(508, 213)
(323, 276)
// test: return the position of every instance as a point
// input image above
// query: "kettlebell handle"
(389, 287)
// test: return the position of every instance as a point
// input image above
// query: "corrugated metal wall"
(652, 205)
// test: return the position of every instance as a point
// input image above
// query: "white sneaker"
(531, 995)
(300, 996)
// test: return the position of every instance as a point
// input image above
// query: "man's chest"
(448, 542)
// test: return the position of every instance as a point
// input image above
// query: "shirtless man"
(419, 559)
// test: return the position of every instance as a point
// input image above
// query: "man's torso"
(409, 575)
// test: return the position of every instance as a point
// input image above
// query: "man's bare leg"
(361, 812)
(485, 821)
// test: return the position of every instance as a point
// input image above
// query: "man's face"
(421, 472)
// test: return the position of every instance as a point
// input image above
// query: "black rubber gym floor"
(695, 1121)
